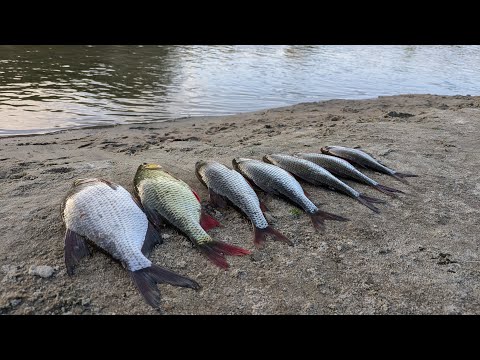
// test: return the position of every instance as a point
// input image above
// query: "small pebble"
(43, 271)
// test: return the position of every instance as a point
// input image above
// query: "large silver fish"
(343, 168)
(275, 180)
(107, 215)
(222, 183)
(168, 199)
(361, 158)
(317, 175)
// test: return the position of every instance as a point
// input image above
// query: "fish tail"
(215, 251)
(369, 201)
(387, 190)
(318, 218)
(260, 236)
(146, 281)
(402, 176)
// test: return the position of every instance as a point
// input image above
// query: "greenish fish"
(167, 199)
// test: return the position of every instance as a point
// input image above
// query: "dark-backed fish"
(361, 158)
(224, 183)
(275, 180)
(317, 175)
(343, 168)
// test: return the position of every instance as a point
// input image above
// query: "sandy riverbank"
(420, 255)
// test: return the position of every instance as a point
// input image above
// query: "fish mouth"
(151, 166)
(325, 149)
(235, 163)
(267, 159)
(198, 167)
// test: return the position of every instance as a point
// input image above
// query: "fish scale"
(317, 175)
(338, 166)
(311, 172)
(121, 233)
(222, 183)
(175, 201)
(270, 177)
(231, 184)
(106, 214)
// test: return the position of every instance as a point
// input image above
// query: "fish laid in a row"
(365, 160)
(128, 227)
(317, 175)
(227, 184)
(167, 199)
(107, 215)
(274, 180)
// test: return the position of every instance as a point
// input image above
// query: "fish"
(343, 168)
(317, 175)
(361, 158)
(224, 183)
(167, 199)
(274, 180)
(106, 214)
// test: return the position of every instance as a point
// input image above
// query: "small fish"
(361, 158)
(222, 183)
(343, 168)
(168, 199)
(275, 180)
(317, 175)
(107, 215)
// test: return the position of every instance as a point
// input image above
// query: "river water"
(46, 88)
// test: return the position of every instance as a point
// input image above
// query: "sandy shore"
(420, 255)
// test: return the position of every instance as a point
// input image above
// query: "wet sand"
(419, 256)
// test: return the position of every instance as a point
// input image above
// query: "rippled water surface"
(45, 88)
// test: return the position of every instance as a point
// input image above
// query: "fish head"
(146, 170)
(326, 150)
(199, 170)
(268, 159)
(237, 161)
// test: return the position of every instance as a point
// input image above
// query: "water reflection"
(51, 87)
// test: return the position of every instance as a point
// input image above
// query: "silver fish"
(317, 175)
(222, 183)
(343, 168)
(275, 180)
(363, 159)
(107, 215)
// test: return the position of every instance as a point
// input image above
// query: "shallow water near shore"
(46, 88)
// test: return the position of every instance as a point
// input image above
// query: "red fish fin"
(75, 249)
(207, 222)
(318, 218)
(152, 238)
(260, 236)
(388, 190)
(146, 281)
(196, 195)
(402, 176)
(263, 207)
(369, 201)
(217, 200)
(215, 251)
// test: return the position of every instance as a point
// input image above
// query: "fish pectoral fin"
(75, 249)
(217, 200)
(155, 218)
(152, 238)
(146, 281)
(207, 222)
(263, 207)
